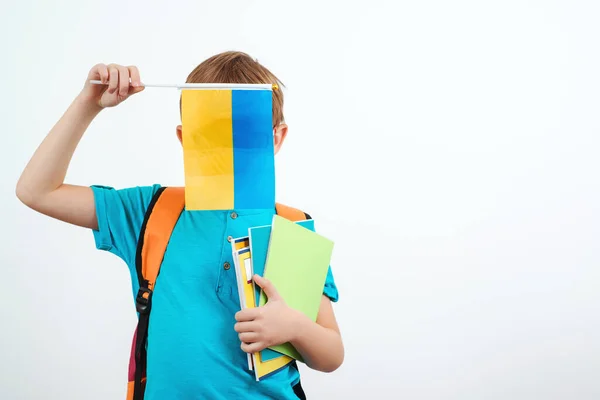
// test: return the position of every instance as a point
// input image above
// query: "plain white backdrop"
(449, 148)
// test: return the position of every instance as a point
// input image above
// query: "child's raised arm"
(41, 185)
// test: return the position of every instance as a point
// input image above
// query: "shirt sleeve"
(120, 215)
(331, 289)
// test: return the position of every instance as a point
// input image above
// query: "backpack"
(159, 221)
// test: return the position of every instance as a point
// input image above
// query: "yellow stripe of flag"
(208, 149)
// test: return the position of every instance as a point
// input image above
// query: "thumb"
(267, 287)
(135, 89)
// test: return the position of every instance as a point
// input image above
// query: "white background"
(449, 148)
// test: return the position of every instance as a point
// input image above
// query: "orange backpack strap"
(160, 220)
(290, 213)
(162, 215)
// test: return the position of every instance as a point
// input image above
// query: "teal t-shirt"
(193, 349)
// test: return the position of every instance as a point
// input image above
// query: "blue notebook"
(259, 248)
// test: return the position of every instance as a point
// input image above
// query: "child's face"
(279, 134)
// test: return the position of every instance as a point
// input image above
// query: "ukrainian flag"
(228, 149)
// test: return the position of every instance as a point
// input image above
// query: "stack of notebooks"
(296, 260)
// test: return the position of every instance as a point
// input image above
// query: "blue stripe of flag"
(253, 152)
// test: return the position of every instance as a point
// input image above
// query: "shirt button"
(234, 215)
(226, 266)
(229, 238)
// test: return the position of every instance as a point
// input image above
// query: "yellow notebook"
(243, 267)
(241, 253)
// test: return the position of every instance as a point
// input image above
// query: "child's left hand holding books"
(272, 324)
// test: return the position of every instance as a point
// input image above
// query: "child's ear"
(279, 134)
(179, 134)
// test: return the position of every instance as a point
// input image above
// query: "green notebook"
(297, 265)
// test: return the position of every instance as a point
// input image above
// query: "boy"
(197, 338)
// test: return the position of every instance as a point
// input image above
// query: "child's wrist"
(87, 105)
(300, 325)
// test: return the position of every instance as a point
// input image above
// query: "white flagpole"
(205, 86)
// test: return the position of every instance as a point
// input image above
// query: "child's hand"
(119, 83)
(272, 324)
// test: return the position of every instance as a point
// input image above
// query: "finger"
(242, 327)
(267, 287)
(136, 81)
(249, 337)
(253, 347)
(135, 76)
(98, 72)
(123, 81)
(102, 73)
(113, 79)
(136, 90)
(248, 314)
